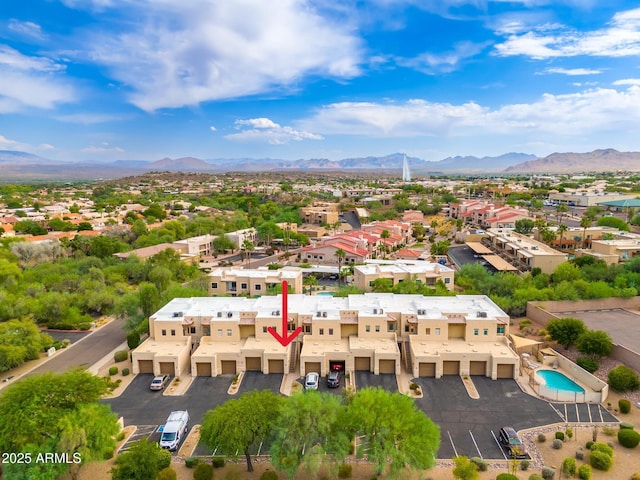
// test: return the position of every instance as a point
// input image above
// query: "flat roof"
(440, 348)
(416, 268)
(479, 248)
(311, 347)
(499, 263)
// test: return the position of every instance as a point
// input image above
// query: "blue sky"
(101, 80)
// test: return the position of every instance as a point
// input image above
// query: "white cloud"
(102, 150)
(30, 82)
(8, 144)
(586, 113)
(265, 130)
(627, 81)
(88, 118)
(573, 71)
(432, 63)
(185, 53)
(26, 29)
(620, 38)
(212, 128)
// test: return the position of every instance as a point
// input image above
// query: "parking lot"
(387, 381)
(619, 324)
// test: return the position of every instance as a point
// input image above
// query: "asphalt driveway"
(467, 426)
(385, 380)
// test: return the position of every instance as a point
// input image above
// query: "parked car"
(333, 379)
(159, 382)
(510, 440)
(333, 276)
(311, 381)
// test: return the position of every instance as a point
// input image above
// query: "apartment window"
(291, 326)
(322, 331)
(367, 328)
(164, 333)
(173, 333)
(192, 330)
(485, 331)
(377, 328)
(500, 330)
(214, 284)
(243, 286)
(406, 329)
(437, 331)
(219, 332)
(427, 331)
(228, 332)
(331, 331)
(447, 280)
(258, 287)
(307, 329)
(476, 331)
(206, 331)
(371, 283)
(264, 330)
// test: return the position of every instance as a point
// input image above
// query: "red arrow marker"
(286, 338)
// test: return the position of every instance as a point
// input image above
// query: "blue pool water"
(324, 294)
(559, 381)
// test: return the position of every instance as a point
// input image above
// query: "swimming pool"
(324, 294)
(558, 381)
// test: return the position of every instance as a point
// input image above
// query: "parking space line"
(499, 446)
(589, 409)
(577, 412)
(566, 413)
(557, 411)
(452, 444)
(600, 410)
(474, 442)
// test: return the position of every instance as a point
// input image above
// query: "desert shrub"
(560, 436)
(191, 462)
(580, 454)
(167, 474)
(480, 463)
(133, 339)
(600, 461)
(218, 462)
(414, 386)
(602, 447)
(506, 476)
(121, 355)
(557, 443)
(569, 466)
(535, 476)
(542, 438)
(623, 379)
(269, 475)
(609, 431)
(548, 473)
(588, 363)
(569, 433)
(584, 472)
(125, 372)
(628, 438)
(524, 323)
(626, 426)
(203, 471)
(107, 455)
(635, 476)
(113, 370)
(624, 405)
(84, 326)
(589, 444)
(524, 465)
(344, 470)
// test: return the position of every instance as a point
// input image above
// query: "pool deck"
(527, 377)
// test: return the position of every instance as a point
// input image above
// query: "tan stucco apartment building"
(427, 273)
(237, 281)
(433, 336)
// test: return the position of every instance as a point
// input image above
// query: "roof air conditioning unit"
(229, 314)
(375, 310)
(277, 312)
(219, 314)
(482, 314)
(381, 311)
(324, 314)
(318, 314)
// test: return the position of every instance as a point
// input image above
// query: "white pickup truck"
(174, 430)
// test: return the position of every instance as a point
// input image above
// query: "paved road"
(87, 351)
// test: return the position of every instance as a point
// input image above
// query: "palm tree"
(561, 211)
(585, 222)
(310, 281)
(340, 255)
(247, 248)
(562, 229)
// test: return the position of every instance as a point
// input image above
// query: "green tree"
(247, 249)
(382, 285)
(155, 211)
(340, 255)
(524, 226)
(595, 343)
(149, 298)
(309, 426)
(222, 244)
(614, 222)
(310, 281)
(143, 461)
(267, 231)
(585, 222)
(237, 424)
(395, 432)
(84, 226)
(29, 227)
(20, 341)
(440, 248)
(565, 330)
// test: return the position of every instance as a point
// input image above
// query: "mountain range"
(16, 164)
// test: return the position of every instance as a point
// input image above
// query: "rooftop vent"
(482, 314)
(324, 314)
(219, 314)
(229, 314)
(178, 314)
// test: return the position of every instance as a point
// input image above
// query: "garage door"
(478, 368)
(228, 366)
(427, 369)
(203, 369)
(276, 366)
(145, 366)
(451, 367)
(387, 366)
(505, 371)
(312, 367)
(362, 364)
(167, 367)
(254, 364)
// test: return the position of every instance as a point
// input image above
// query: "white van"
(174, 430)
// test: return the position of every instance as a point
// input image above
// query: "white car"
(159, 382)
(311, 381)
